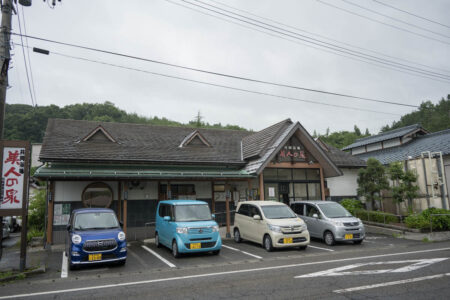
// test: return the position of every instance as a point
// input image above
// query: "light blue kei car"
(186, 226)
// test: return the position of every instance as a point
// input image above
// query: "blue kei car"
(186, 226)
(94, 235)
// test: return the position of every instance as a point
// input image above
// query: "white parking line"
(372, 286)
(234, 249)
(160, 257)
(64, 265)
(204, 275)
(315, 247)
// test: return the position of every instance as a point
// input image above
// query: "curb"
(415, 236)
(19, 275)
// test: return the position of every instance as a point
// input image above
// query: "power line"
(219, 85)
(217, 73)
(28, 54)
(395, 19)
(307, 44)
(411, 14)
(380, 22)
(321, 43)
(316, 34)
(25, 61)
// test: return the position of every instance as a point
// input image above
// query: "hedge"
(351, 205)
(422, 220)
(375, 216)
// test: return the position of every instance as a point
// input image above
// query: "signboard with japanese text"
(14, 177)
(294, 151)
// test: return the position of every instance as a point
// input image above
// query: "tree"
(357, 131)
(371, 180)
(403, 184)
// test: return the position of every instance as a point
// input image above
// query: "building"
(345, 186)
(130, 167)
(426, 153)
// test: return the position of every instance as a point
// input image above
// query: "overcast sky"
(163, 31)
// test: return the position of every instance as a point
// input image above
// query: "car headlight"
(121, 236)
(182, 230)
(337, 223)
(215, 228)
(76, 239)
(274, 228)
(360, 222)
(303, 227)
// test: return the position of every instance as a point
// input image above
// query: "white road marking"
(374, 237)
(131, 283)
(372, 286)
(234, 249)
(160, 257)
(315, 247)
(414, 265)
(64, 265)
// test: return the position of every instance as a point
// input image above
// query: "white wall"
(358, 150)
(345, 185)
(35, 151)
(373, 147)
(66, 191)
(145, 190)
(391, 143)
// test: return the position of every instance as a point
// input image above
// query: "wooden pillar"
(261, 186)
(125, 207)
(119, 200)
(322, 184)
(250, 196)
(227, 209)
(213, 200)
(51, 204)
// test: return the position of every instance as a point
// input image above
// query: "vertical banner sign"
(15, 159)
(13, 173)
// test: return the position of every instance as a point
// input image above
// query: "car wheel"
(329, 238)
(237, 236)
(216, 252)
(157, 240)
(357, 242)
(71, 265)
(303, 247)
(175, 252)
(267, 243)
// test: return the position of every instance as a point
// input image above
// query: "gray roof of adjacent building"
(341, 158)
(434, 142)
(392, 134)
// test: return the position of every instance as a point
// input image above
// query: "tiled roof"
(253, 145)
(434, 142)
(341, 158)
(137, 143)
(392, 134)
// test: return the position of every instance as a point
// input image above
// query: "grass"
(426, 240)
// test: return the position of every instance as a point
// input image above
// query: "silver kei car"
(329, 221)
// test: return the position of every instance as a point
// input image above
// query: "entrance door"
(284, 192)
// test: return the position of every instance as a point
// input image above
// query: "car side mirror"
(256, 217)
(121, 223)
(68, 227)
(213, 216)
(166, 218)
(315, 216)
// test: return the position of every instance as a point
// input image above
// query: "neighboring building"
(426, 153)
(130, 167)
(345, 186)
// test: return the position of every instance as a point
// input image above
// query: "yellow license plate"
(349, 236)
(287, 241)
(94, 257)
(196, 245)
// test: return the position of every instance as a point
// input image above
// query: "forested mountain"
(432, 117)
(25, 122)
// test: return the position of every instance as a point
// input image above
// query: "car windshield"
(190, 213)
(278, 212)
(95, 220)
(334, 210)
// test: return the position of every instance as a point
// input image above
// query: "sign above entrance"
(294, 151)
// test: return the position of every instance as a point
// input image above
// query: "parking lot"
(145, 256)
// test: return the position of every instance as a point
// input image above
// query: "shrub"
(422, 220)
(33, 232)
(351, 205)
(375, 216)
(36, 211)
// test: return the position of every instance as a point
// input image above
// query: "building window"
(97, 194)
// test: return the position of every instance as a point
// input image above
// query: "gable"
(99, 134)
(294, 151)
(195, 139)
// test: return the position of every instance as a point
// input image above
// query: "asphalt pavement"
(382, 267)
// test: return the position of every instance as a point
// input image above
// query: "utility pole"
(5, 57)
